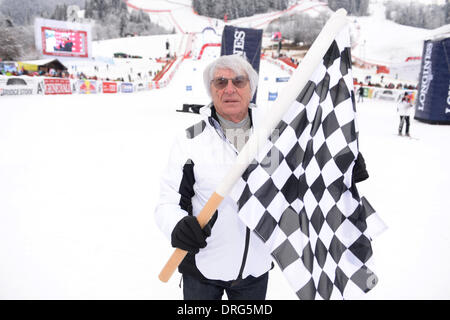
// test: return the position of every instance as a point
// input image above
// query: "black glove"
(189, 236)
(359, 169)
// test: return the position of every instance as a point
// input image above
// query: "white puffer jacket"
(404, 108)
(198, 162)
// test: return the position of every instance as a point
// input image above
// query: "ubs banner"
(433, 98)
(244, 41)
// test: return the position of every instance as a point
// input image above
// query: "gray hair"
(238, 64)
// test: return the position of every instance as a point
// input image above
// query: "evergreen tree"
(88, 10)
(353, 7)
(220, 9)
(23, 12)
(261, 6)
(236, 8)
(60, 12)
(123, 25)
(417, 15)
(9, 46)
(300, 27)
(447, 12)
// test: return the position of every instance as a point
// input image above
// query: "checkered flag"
(298, 195)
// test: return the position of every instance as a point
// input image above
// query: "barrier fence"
(26, 85)
(370, 92)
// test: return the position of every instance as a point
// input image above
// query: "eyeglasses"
(238, 82)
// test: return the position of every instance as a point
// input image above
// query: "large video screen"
(62, 38)
(64, 42)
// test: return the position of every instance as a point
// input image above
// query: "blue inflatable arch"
(433, 97)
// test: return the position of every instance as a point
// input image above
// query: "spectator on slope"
(361, 93)
(404, 110)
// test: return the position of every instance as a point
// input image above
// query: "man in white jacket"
(225, 256)
(404, 110)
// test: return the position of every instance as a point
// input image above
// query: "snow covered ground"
(79, 181)
(383, 41)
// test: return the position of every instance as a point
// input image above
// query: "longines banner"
(433, 98)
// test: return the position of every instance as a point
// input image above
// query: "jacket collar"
(210, 111)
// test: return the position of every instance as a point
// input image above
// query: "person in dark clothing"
(361, 94)
(65, 45)
(68, 46)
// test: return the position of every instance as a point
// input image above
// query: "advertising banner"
(140, 86)
(433, 97)
(57, 86)
(109, 87)
(126, 87)
(386, 94)
(273, 96)
(282, 79)
(87, 86)
(15, 86)
(244, 41)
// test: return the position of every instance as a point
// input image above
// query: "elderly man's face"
(231, 102)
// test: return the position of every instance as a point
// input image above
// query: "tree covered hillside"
(110, 19)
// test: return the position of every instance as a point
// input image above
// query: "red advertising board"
(64, 42)
(57, 86)
(109, 87)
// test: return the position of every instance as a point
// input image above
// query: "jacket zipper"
(244, 257)
(247, 233)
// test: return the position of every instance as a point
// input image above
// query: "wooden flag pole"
(287, 96)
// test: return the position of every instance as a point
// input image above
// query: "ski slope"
(79, 181)
(180, 16)
(382, 41)
(376, 40)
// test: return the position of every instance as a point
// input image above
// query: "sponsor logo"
(15, 92)
(57, 86)
(427, 76)
(282, 79)
(273, 96)
(109, 87)
(447, 109)
(126, 87)
(87, 86)
(239, 42)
